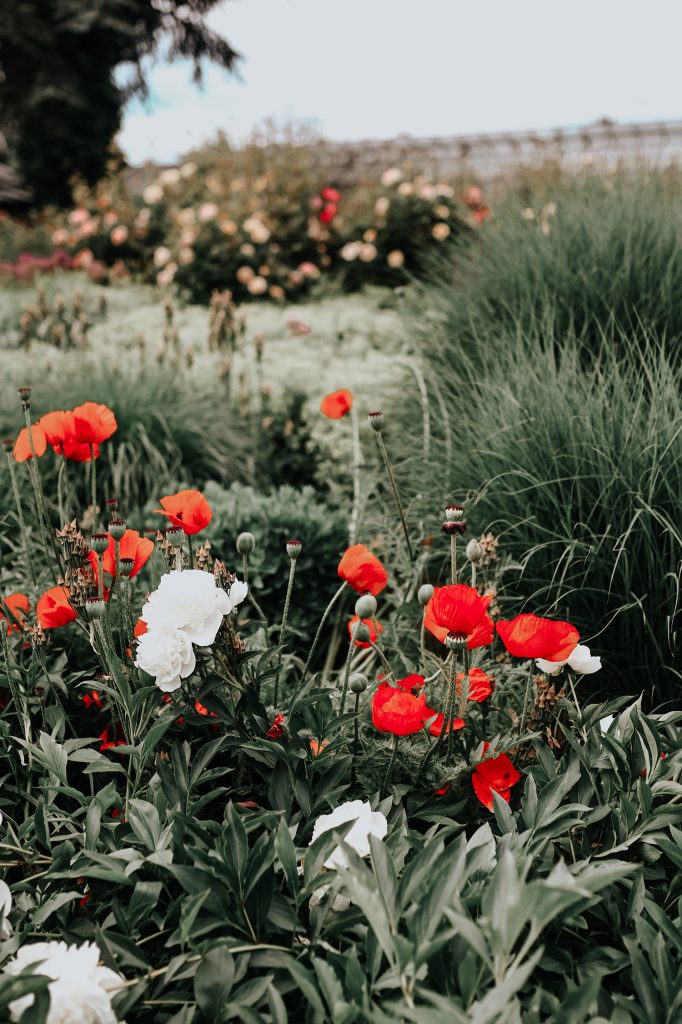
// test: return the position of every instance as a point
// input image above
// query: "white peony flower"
(188, 600)
(5, 907)
(238, 592)
(80, 989)
(580, 660)
(166, 654)
(367, 823)
(606, 723)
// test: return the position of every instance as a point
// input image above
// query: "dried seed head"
(99, 542)
(94, 608)
(376, 421)
(366, 606)
(117, 528)
(112, 504)
(451, 526)
(246, 542)
(25, 396)
(425, 593)
(8, 444)
(127, 566)
(454, 513)
(294, 549)
(175, 535)
(456, 641)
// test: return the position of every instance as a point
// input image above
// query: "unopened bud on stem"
(366, 606)
(246, 542)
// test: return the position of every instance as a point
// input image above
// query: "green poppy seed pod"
(24, 395)
(474, 551)
(294, 549)
(127, 566)
(99, 542)
(8, 444)
(366, 606)
(454, 513)
(456, 642)
(376, 421)
(176, 536)
(358, 682)
(425, 593)
(246, 542)
(95, 608)
(117, 528)
(112, 504)
(451, 526)
(361, 633)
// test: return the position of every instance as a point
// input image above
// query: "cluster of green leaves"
(563, 907)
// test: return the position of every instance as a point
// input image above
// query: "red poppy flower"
(330, 195)
(530, 636)
(362, 570)
(436, 726)
(480, 684)
(459, 609)
(93, 699)
(370, 626)
(276, 729)
(59, 427)
(22, 448)
(16, 606)
(495, 775)
(188, 509)
(337, 405)
(118, 741)
(328, 213)
(53, 609)
(397, 711)
(93, 423)
(140, 628)
(411, 682)
(201, 710)
(132, 546)
(482, 214)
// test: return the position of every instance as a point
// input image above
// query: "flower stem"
(389, 766)
(357, 460)
(325, 616)
(39, 497)
(20, 517)
(191, 551)
(356, 740)
(453, 558)
(346, 674)
(245, 567)
(452, 692)
(285, 616)
(93, 487)
(394, 488)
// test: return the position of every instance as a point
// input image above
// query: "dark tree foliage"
(60, 104)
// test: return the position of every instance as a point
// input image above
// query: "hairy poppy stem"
(20, 517)
(389, 766)
(93, 487)
(464, 689)
(356, 740)
(191, 551)
(384, 660)
(394, 488)
(453, 558)
(346, 675)
(283, 627)
(245, 567)
(325, 616)
(452, 693)
(357, 461)
(39, 496)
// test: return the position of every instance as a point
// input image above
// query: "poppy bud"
(425, 593)
(99, 542)
(94, 608)
(366, 606)
(117, 528)
(358, 682)
(451, 526)
(376, 420)
(294, 549)
(246, 542)
(127, 566)
(25, 396)
(175, 535)
(456, 641)
(474, 551)
(454, 513)
(361, 633)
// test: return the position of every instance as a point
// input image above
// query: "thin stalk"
(245, 567)
(346, 674)
(452, 694)
(389, 766)
(356, 740)
(93, 487)
(283, 627)
(473, 575)
(325, 616)
(357, 461)
(464, 689)
(382, 656)
(39, 497)
(577, 705)
(394, 488)
(453, 558)
(20, 517)
(191, 551)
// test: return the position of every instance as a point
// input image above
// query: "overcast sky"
(357, 69)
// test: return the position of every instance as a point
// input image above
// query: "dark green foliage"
(61, 104)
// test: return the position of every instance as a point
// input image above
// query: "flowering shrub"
(204, 820)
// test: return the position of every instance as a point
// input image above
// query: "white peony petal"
(367, 822)
(583, 662)
(238, 592)
(606, 723)
(551, 668)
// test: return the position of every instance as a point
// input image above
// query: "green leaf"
(143, 818)
(213, 983)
